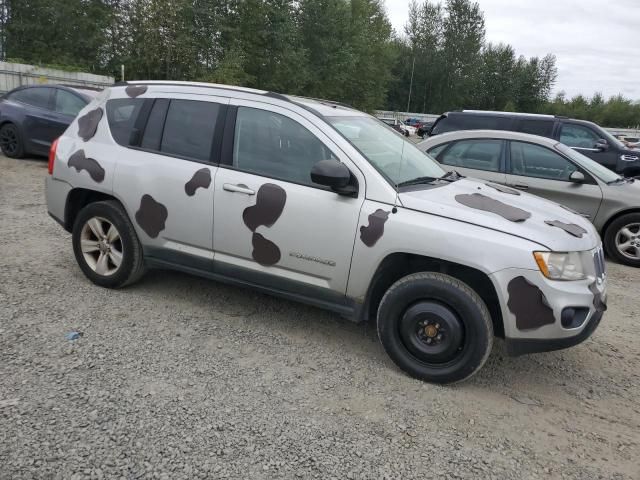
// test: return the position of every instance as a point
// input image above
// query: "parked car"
(32, 117)
(317, 202)
(399, 126)
(550, 169)
(424, 128)
(585, 137)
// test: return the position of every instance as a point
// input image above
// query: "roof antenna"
(397, 199)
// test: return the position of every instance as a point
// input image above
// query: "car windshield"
(591, 166)
(389, 152)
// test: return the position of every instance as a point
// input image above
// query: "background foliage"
(343, 50)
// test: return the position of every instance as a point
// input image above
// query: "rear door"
(544, 172)
(166, 172)
(479, 158)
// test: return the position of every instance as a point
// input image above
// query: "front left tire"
(106, 246)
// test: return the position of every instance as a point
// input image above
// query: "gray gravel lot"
(180, 377)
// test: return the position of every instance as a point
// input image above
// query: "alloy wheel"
(101, 246)
(628, 241)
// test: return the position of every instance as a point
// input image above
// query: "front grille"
(598, 261)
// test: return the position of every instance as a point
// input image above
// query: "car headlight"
(561, 265)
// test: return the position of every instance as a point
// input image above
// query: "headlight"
(561, 266)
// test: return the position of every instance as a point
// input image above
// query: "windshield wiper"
(622, 180)
(447, 177)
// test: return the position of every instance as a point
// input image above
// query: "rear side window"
(461, 121)
(543, 128)
(475, 154)
(122, 114)
(189, 128)
(36, 97)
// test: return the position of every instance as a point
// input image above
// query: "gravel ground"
(179, 377)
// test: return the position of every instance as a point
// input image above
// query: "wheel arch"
(77, 199)
(615, 216)
(399, 264)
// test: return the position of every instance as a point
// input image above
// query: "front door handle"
(521, 186)
(240, 188)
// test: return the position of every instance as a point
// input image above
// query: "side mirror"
(333, 174)
(601, 145)
(577, 177)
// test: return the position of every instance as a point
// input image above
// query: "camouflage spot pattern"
(80, 162)
(151, 216)
(488, 204)
(200, 179)
(135, 90)
(270, 201)
(265, 252)
(88, 124)
(371, 233)
(570, 228)
(529, 305)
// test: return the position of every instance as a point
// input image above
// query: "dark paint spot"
(265, 252)
(200, 179)
(503, 189)
(529, 305)
(80, 162)
(269, 205)
(371, 233)
(88, 124)
(488, 204)
(135, 90)
(570, 228)
(599, 305)
(151, 216)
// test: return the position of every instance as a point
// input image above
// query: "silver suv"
(317, 202)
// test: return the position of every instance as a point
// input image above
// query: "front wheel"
(435, 327)
(106, 246)
(622, 239)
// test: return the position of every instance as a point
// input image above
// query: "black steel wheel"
(10, 141)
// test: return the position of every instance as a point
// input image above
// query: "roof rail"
(495, 112)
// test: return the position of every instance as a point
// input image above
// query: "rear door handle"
(240, 188)
(521, 186)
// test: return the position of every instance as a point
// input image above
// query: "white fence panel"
(14, 75)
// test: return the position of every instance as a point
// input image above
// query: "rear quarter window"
(122, 114)
(543, 128)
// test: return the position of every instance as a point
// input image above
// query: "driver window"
(578, 136)
(531, 160)
(270, 144)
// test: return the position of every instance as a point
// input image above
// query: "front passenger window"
(270, 144)
(578, 136)
(532, 160)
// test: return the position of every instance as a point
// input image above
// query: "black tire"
(459, 313)
(11, 141)
(614, 230)
(131, 267)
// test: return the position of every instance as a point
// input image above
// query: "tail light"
(52, 155)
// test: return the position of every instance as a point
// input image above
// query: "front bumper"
(541, 315)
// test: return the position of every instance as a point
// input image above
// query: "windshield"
(389, 152)
(603, 173)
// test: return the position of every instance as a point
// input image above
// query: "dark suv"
(586, 137)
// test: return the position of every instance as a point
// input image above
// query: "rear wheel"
(622, 239)
(435, 327)
(106, 246)
(11, 141)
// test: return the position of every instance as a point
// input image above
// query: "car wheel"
(10, 141)
(106, 246)
(435, 327)
(622, 239)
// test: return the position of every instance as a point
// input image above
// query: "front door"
(272, 225)
(544, 172)
(583, 139)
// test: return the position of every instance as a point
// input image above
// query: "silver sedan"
(549, 169)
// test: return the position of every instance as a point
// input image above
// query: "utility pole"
(411, 84)
(122, 72)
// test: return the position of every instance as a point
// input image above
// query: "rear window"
(122, 114)
(462, 121)
(37, 96)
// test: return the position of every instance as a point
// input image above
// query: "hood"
(459, 201)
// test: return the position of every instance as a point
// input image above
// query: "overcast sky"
(596, 42)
